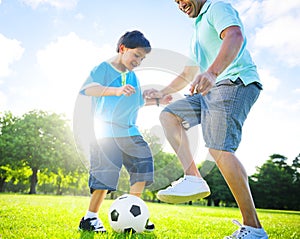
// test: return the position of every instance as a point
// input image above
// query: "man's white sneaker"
(185, 189)
(246, 232)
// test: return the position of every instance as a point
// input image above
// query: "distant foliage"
(38, 144)
(276, 184)
(38, 154)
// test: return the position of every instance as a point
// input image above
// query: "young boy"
(117, 97)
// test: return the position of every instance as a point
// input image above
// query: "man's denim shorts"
(221, 112)
(109, 154)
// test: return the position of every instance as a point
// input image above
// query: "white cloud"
(79, 16)
(273, 9)
(11, 51)
(66, 64)
(270, 82)
(280, 36)
(60, 4)
(273, 25)
(297, 90)
(3, 100)
(277, 30)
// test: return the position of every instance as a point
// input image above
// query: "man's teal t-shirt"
(216, 16)
(114, 116)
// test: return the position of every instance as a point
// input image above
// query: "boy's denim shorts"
(221, 112)
(107, 156)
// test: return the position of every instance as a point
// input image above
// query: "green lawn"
(39, 216)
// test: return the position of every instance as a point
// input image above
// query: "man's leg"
(192, 186)
(237, 180)
(179, 141)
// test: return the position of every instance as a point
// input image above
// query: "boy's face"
(132, 57)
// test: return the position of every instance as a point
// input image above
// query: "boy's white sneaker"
(91, 224)
(247, 232)
(185, 189)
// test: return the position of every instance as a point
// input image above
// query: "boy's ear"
(122, 48)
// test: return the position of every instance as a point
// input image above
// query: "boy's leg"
(91, 221)
(96, 200)
(105, 164)
(137, 189)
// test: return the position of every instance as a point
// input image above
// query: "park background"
(48, 49)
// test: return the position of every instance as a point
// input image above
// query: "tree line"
(38, 154)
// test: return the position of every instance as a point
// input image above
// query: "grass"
(56, 217)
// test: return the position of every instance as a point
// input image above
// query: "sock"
(90, 215)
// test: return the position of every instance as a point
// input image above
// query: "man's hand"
(203, 83)
(165, 100)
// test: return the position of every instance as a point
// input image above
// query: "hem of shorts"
(92, 189)
(181, 116)
(220, 148)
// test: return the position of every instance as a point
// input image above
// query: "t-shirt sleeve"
(222, 15)
(95, 78)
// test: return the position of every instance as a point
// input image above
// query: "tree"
(44, 142)
(296, 183)
(7, 150)
(220, 192)
(167, 167)
(272, 183)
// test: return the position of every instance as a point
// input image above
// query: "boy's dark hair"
(134, 39)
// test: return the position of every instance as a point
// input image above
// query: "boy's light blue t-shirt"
(114, 116)
(215, 16)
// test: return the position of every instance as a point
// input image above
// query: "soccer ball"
(128, 213)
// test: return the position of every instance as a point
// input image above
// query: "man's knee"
(167, 118)
(220, 155)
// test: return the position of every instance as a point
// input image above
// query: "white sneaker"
(247, 232)
(185, 189)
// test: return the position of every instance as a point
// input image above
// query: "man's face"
(190, 7)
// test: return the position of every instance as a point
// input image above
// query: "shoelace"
(241, 233)
(96, 223)
(176, 182)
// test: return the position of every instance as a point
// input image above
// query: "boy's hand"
(152, 93)
(126, 90)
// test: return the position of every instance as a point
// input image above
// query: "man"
(221, 98)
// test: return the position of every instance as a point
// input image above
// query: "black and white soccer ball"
(128, 213)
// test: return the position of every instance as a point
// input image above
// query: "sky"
(49, 47)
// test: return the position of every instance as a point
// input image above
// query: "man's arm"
(232, 42)
(176, 85)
